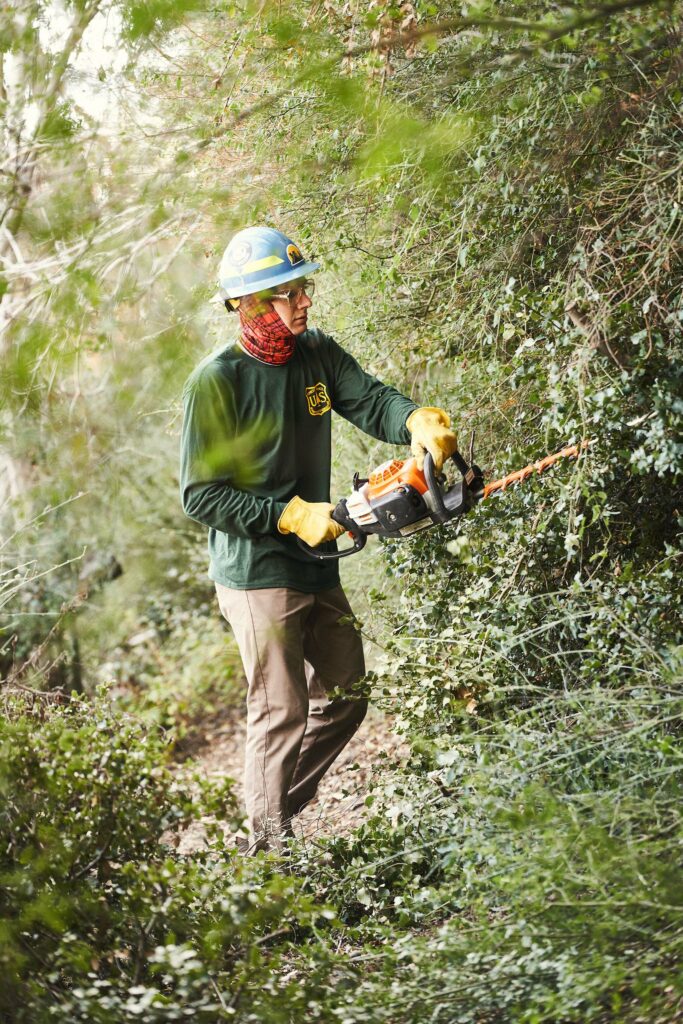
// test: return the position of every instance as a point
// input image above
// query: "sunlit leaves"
(143, 19)
(425, 147)
(60, 124)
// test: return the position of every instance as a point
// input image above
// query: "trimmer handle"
(341, 516)
(473, 480)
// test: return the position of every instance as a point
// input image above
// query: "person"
(255, 469)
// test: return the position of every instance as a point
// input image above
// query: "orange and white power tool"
(398, 499)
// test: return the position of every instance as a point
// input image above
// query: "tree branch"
(404, 37)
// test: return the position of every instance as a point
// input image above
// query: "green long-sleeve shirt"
(254, 435)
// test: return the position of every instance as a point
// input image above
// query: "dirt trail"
(340, 804)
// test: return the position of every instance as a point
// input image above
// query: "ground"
(340, 804)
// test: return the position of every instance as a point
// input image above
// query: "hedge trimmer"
(398, 499)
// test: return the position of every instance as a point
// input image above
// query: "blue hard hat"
(260, 258)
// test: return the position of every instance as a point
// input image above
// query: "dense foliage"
(495, 192)
(102, 921)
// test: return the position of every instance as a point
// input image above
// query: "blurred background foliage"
(494, 190)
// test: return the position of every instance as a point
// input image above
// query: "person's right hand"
(430, 432)
(311, 521)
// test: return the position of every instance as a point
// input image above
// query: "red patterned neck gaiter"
(264, 334)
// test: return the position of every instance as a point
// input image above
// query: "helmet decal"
(239, 253)
(294, 254)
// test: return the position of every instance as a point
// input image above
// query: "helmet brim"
(235, 288)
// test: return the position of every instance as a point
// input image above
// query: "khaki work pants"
(296, 649)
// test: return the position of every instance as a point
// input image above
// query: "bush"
(99, 919)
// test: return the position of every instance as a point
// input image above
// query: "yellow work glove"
(310, 520)
(430, 432)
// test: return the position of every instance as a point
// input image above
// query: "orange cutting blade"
(572, 451)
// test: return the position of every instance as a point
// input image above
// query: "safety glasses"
(294, 295)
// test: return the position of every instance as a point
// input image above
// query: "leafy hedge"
(100, 919)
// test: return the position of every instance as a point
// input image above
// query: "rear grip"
(341, 516)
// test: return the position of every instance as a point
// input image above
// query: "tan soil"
(340, 804)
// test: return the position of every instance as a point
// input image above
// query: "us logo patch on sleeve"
(318, 399)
